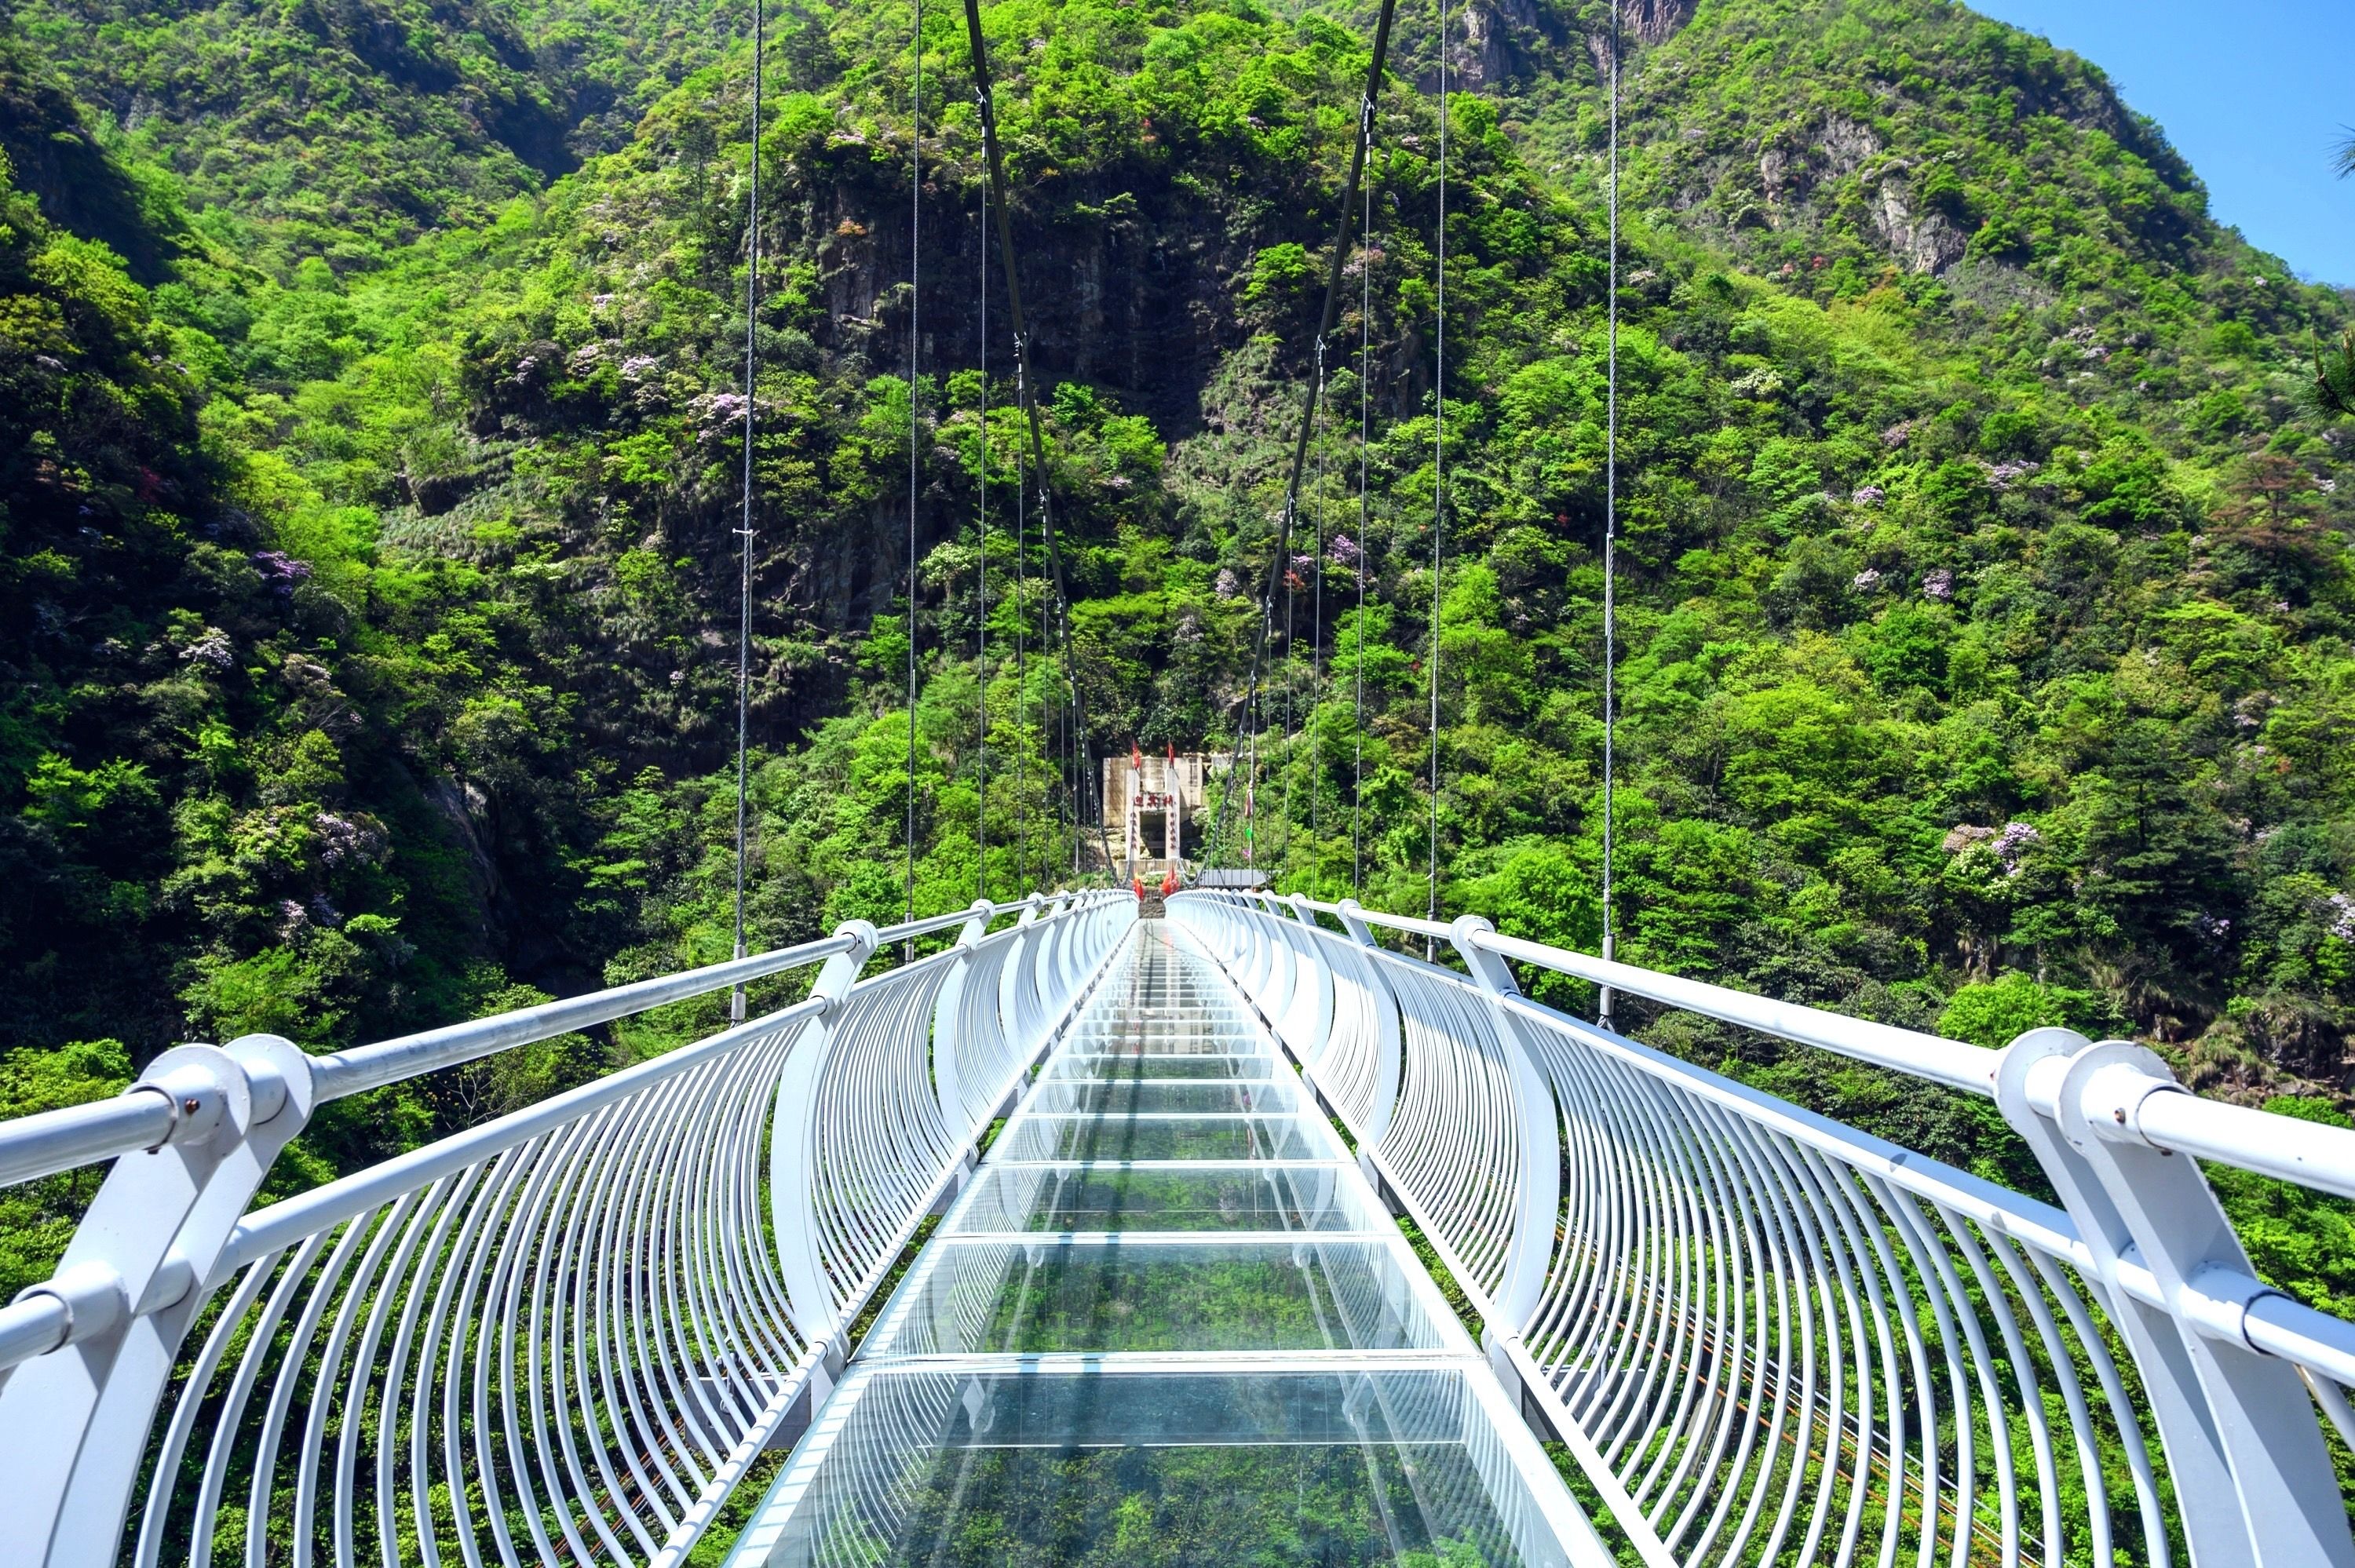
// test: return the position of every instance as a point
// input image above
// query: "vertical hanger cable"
(1317, 636)
(981, 614)
(1611, 524)
(1022, 684)
(915, 343)
(1276, 567)
(1026, 393)
(1365, 515)
(1438, 479)
(744, 533)
(1291, 679)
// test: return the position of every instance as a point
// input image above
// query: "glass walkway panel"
(1166, 1322)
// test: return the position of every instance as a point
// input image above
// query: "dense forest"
(370, 435)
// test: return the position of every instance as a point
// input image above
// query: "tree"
(2334, 369)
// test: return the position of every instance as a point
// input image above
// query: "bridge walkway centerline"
(1168, 1307)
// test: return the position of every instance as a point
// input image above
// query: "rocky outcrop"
(1926, 242)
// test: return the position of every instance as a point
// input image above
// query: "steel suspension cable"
(981, 618)
(1374, 68)
(1022, 683)
(1438, 475)
(1611, 519)
(1025, 394)
(915, 343)
(1316, 634)
(744, 533)
(1365, 516)
(1291, 679)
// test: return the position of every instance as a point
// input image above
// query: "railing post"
(793, 1139)
(948, 1012)
(74, 1422)
(1539, 1199)
(1307, 1016)
(1018, 1002)
(2253, 1478)
(1353, 920)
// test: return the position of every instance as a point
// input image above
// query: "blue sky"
(2253, 92)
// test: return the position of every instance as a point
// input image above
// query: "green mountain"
(369, 573)
(345, 128)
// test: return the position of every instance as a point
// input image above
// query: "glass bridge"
(1167, 1321)
(1160, 1314)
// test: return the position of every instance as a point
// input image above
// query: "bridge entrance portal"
(1154, 804)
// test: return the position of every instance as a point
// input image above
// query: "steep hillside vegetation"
(344, 128)
(1986, 610)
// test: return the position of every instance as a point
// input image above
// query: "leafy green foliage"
(37, 1218)
(2334, 377)
(369, 566)
(1275, 1504)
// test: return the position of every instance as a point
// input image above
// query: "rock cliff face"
(1128, 279)
(1904, 132)
(1655, 21)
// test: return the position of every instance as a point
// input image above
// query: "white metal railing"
(1769, 1336)
(562, 1335)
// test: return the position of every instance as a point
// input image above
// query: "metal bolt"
(189, 1104)
(2119, 1115)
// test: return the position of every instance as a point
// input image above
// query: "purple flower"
(1304, 563)
(1866, 581)
(213, 648)
(1228, 585)
(1344, 549)
(342, 839)
(1938, 583)
(1869, 495)
(281, 570)
(2008, 846)
(2342, 917)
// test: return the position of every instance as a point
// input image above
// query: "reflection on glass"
(1017, 1298)
(1164, 1138)
(1165, 1096)
(1101, 1198)
(1097, 1470)
(1136, 1065)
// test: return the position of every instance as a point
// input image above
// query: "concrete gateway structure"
(1157, 803)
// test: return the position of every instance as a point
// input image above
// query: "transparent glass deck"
(1167, 1322)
